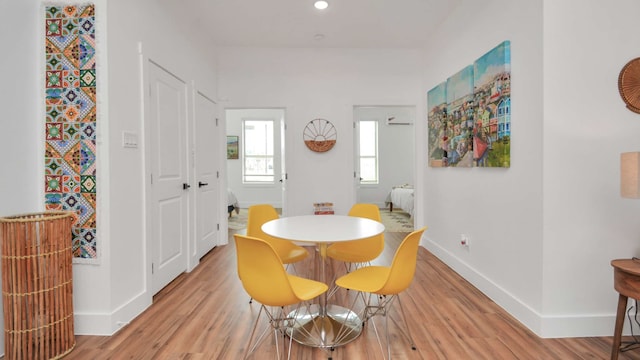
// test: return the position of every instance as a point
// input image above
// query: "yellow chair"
(264, 278)
(359, 251)
(288, 251)
(387, 283)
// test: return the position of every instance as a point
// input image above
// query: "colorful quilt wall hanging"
(469, 118)
(70, 120)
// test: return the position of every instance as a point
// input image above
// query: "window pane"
(368, 171)
(258, 166)
(368, 138)
(258, 151)
(258, 137)
(369, 152)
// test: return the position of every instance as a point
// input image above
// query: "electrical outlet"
(464, 240)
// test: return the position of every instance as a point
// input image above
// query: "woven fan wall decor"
(629, 85)
(320, 135)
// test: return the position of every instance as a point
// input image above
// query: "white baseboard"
(557, 326)
(107, 324)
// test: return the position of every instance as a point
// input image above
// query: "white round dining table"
(319, 229)
(326, 325)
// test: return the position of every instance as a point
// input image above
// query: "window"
(258, 151)
(368, 152)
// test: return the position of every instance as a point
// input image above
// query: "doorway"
(256, 174)
(385, 156)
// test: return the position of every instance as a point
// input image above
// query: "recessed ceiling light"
(318, 37)
(321, 4)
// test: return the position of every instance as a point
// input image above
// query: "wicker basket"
(37, 288)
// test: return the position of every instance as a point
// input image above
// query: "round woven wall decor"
(320, 135)
(629, 85)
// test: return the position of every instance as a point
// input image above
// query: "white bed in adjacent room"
(232, 202)
(401, 197)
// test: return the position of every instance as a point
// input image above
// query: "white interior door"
(207, 203)
(169, 190)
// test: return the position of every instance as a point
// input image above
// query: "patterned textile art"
(70, 125)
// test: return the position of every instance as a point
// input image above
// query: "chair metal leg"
(406, 325)
(375, 330)
(386, 332)
(286, 268)
(345, 331)
(279, 321)
(383, 308)
(253, 331)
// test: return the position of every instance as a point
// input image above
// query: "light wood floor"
(206, 315)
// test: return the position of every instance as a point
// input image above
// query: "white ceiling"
(296, 23)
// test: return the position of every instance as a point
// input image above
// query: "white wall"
(586, 127)
(545, 230)
(21, 189)
(501, 209)
(180, 50)
(319, 83)
(21, 103)
(113, 291)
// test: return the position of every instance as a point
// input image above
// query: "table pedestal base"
(336, 326)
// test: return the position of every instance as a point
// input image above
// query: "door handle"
(185, 186)
(201, 184)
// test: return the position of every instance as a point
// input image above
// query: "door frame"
(280, 129)
(148, 56)
(357, 116)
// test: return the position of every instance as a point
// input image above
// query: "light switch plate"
(129, 139)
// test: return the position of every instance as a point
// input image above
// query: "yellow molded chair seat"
(288, 251)
(359, 251)
(387, 282)
(264, 278)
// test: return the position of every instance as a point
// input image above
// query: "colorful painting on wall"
(232, 147)
(477, 130)
(437, 125)
(70, 120)
(492, 131)
(460, 118)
